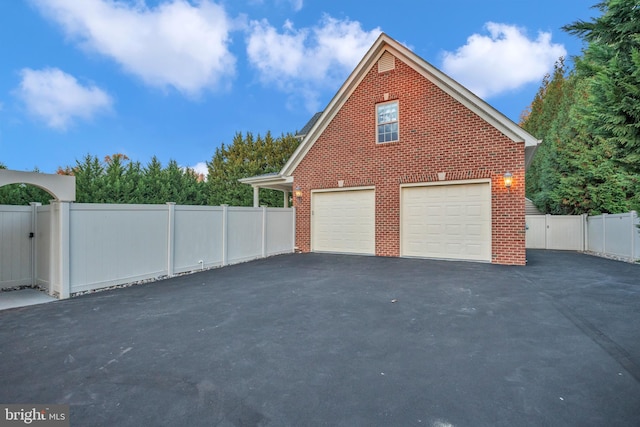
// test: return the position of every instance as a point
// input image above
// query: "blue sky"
(176, 78)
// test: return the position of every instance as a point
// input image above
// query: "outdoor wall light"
(298, 193)
(508, 180)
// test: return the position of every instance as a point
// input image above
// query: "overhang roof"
(274, 181)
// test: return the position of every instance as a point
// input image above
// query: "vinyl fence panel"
(115, 244)
(279, 231)
(619, 238)
(595, 233)
(565, 232)
(244, 234)
(536, 235)
(615, 235)
(15, 246)
(198, 236)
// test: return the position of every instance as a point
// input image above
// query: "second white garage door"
(343, 221)
(447, 221)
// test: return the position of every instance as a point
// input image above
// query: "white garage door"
(343, 221)
(447, 221)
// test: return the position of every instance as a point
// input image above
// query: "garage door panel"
(344, 221)
(454, 221)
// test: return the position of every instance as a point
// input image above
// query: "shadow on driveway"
(315, 339)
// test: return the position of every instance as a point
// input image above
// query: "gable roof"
(306, 128)
(437, 77)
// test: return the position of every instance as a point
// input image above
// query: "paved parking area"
(315, 339)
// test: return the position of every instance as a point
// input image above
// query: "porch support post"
(256, 197)
(286, 199)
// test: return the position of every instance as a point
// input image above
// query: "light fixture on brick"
(298, 193)
(508, 180)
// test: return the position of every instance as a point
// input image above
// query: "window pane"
(387, 121)
(388, 113)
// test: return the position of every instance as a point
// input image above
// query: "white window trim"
(397, 121)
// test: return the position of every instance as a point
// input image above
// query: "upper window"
(387, 121)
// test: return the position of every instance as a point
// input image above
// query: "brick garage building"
(404, 161)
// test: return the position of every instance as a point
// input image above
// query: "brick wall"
(437, 134)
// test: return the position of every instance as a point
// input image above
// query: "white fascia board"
(437, 77)
(463, 95)
(275, 182)
(338, 100)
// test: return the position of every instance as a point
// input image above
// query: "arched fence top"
(61, 187)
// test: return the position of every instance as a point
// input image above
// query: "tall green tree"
(612, 62)
(247, 156)
(543, 175)
(89, 175)
(120, 180)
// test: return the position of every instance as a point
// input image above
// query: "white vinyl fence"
(609, 235)
(560, 232)
(16, 266)
(615, 235)
(81, 247)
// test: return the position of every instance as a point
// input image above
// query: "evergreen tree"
(247, 156)
(89, 173)
(612, 61)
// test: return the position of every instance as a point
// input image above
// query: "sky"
(177, 78)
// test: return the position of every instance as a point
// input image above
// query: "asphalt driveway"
(320, 339)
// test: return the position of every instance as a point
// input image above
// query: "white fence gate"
(610, 235)
(80, 247)
(561, 232)
(16, 246)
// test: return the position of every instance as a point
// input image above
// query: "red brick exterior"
(437, 134)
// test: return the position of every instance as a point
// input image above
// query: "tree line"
(118, 179)
(589, 120)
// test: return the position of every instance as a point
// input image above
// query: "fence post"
(632, 214)
(225, 213)
(34, 242)
(584, 232)
(604, 233)
(293, 234)
(171, 208)
(59, 249)
(264, 231)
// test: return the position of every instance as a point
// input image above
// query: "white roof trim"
(274, 182)
(437, 77)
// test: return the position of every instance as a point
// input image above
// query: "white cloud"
(296, 4)
(306, 61)
(200, 168)
(57, 98)
(175, 44)
(504, 60)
